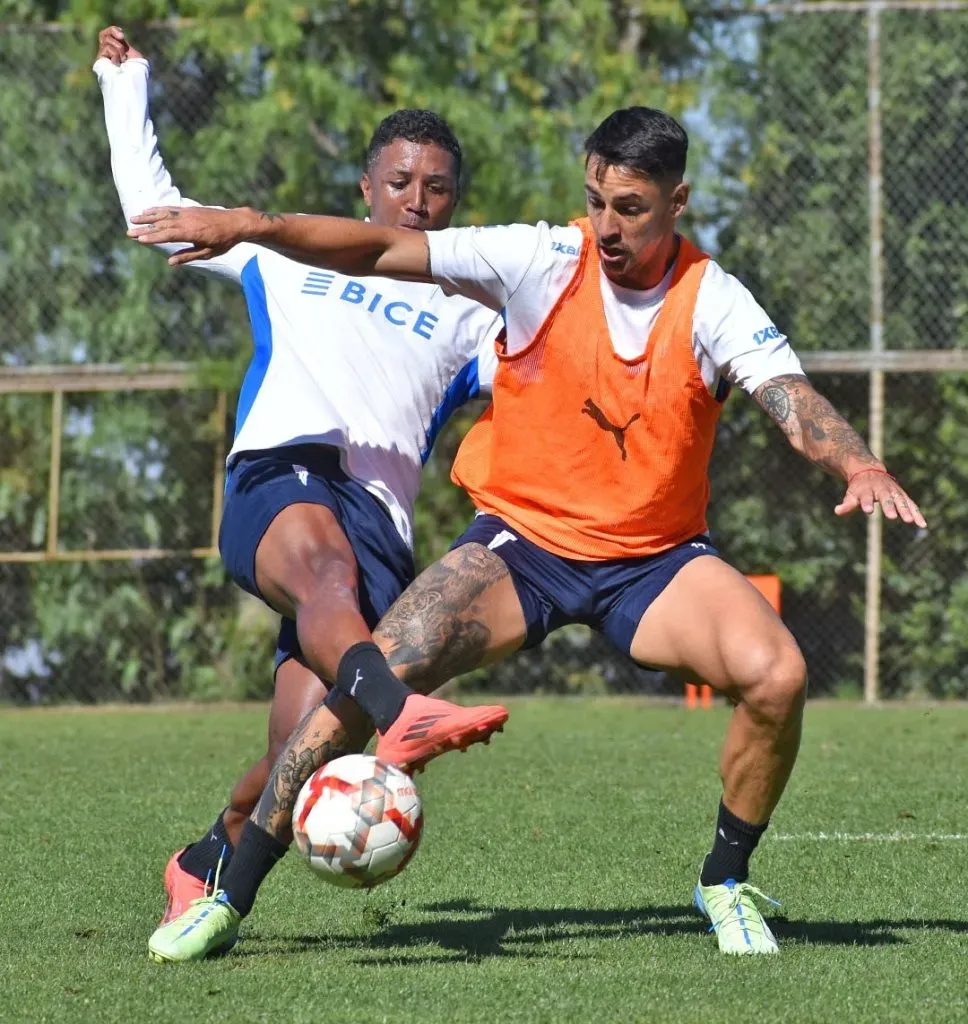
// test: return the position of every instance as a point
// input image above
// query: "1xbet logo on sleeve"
(766, 334)
(400, 314)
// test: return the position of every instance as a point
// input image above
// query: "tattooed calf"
(309, 747)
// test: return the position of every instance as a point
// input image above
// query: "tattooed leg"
(461, 613)
(297, 691)
(319, 738)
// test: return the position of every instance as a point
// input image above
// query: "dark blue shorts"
(611, 596)
(261, 484)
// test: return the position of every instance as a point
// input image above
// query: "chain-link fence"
(828, 140)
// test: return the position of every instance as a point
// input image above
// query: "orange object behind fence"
(769, 586)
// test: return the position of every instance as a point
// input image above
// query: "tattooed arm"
(819, 433)
(814, 427)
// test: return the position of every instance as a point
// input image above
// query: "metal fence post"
(872, 608)
(218, 469)
(53, 485)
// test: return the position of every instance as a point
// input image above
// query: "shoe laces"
(213, 896)
(744, 891)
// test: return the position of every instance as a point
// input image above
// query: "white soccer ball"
(357, 821)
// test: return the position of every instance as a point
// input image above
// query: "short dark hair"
(647, 141)
(420, 126)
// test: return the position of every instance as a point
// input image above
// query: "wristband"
(871, 469)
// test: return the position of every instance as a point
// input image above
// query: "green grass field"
(553, 884)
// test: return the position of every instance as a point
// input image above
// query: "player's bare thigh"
(713, 624)
(303, 547)
(459, 614)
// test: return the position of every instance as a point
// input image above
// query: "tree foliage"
(269, 103)
(794, 211)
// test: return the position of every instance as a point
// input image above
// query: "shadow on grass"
(877, 932)
(468, 931)
(462, 930)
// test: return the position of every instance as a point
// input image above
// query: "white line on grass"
(870, 837)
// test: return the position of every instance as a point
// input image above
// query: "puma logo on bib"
(591, 409)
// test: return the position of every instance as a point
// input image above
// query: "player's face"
(634, 220)
(411, 185)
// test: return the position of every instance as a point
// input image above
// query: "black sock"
(201, 858)
(255, 856)
(732, 848)
(364, 675)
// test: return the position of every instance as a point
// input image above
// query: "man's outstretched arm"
(140, 175)
(821, 435)
(336, 243)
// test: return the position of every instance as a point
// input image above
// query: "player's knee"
(321, 574)
(776, 686)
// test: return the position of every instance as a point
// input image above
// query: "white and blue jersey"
(370, 366)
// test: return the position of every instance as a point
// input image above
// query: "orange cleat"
(428, 727)
(181, 888)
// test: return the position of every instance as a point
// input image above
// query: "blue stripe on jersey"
(465, 386)
(255, 297)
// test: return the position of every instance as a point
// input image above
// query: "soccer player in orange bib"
(590, 469)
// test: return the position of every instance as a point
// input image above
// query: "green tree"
(794, 216)
(268, 103)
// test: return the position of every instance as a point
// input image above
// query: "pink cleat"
(181, 888)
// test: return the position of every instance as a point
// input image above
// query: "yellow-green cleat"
(209, 927)
(736, 920)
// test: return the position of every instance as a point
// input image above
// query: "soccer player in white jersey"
(350, 383)
(589, 470)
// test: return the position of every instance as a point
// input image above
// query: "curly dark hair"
(419, 126)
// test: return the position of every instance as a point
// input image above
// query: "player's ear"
(367, 190)
(680, 198)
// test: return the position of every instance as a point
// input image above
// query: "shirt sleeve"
(737, 335)
(476, 329)
(140, 175)
(487, 356)
(484, 264)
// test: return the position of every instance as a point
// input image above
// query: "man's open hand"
(211, 232)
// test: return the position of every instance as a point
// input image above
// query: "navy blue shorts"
(261, 484)
(610, 596)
